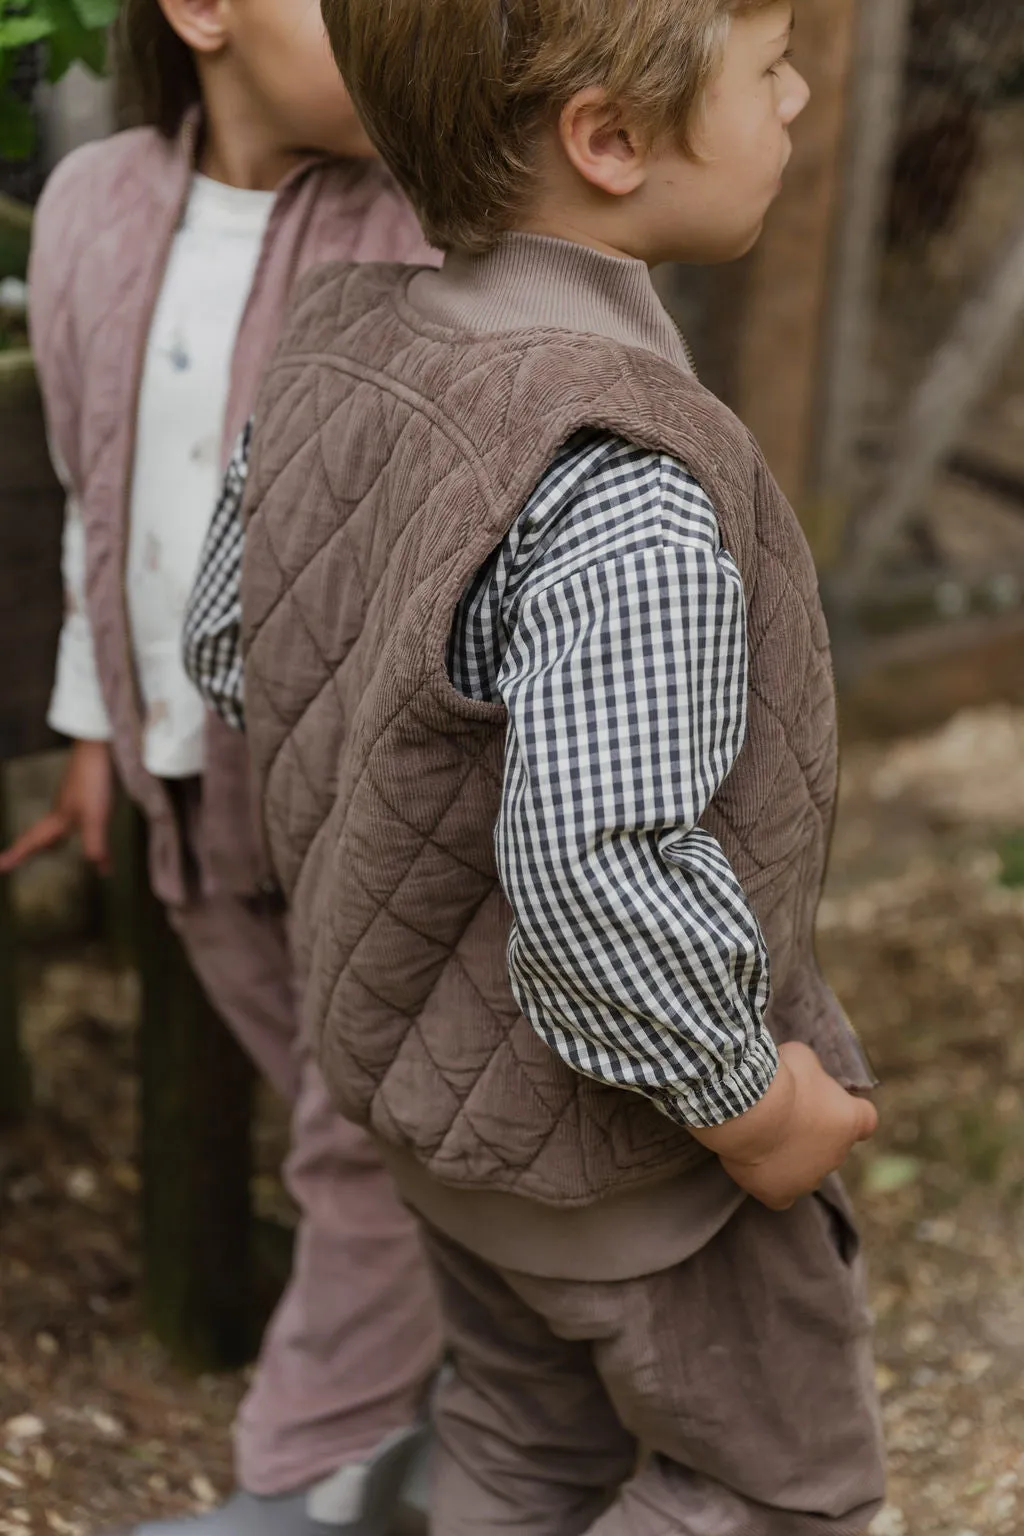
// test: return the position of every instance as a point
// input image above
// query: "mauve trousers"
(732, 1395)
(355, 1340)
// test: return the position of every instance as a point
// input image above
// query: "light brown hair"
(454, 93)
(157, 80)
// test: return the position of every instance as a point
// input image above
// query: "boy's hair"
(454, 93)
(156, 73)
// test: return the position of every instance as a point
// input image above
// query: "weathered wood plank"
(916, 681)
(883, 33)
(15, 236)
(961, 371)
(31, 520)
(196, 1102)
(15, 1084)
(777, 297)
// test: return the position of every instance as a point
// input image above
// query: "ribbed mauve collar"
(532, 282)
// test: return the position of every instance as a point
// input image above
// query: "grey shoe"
(412, 1516)
(365, 1499)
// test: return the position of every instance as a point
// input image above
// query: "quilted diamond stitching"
(765, 549)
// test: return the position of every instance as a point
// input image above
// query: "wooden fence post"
(196, 1102)
(883, 34)
(15, 1083)
(779, 320)
(962, 368)
(30, 602)
(31, 518)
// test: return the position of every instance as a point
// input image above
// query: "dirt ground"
(922, 934)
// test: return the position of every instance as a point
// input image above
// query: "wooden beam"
(196, 1100)
(31, 601)
(916, 681)
(15, 1082)
(15, 236)
(30, 615)
(875, 97)
(962, 370)
(779, 318)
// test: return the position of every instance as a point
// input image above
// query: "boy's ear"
(600, 145)
(201, 24)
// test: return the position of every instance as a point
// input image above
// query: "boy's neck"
(239, 147)
(533, 281)
(578, 233)
(565, 207)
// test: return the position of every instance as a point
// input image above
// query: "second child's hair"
(454, 93)
(156, 74)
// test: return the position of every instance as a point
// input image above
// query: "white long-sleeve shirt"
(175, 482)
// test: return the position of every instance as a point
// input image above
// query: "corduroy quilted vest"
(391, 456)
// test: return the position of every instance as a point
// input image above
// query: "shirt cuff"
(76, 724)
(706, 1107)
(76, 704)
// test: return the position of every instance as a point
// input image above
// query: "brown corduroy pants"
(730, 1396)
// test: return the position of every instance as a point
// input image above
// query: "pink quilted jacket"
(103, 232)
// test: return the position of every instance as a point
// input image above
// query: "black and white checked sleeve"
(212, 635)
(612, 624)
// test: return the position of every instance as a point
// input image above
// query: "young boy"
(538, 686)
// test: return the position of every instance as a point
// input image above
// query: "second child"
(162, 264)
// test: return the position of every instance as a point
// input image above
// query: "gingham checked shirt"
(611, 623)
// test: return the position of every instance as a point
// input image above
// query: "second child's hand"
(802, 1130)
(83, 806)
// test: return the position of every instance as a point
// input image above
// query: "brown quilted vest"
(391, 455)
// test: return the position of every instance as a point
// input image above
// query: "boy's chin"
(747, 245)
(719, 253)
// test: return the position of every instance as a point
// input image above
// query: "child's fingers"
(50, 830)
(95, 845)
(867, 1120)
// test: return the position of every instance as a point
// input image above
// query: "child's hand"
(83, 805)
(802, 1130)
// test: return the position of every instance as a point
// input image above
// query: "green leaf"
(71, 39)
(21, 31)
(17, 129)
(1011, 856)
(97, 13)
(75, 30)
(886, 1175)
(71, 42)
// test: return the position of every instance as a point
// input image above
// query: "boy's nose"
(798, 94)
